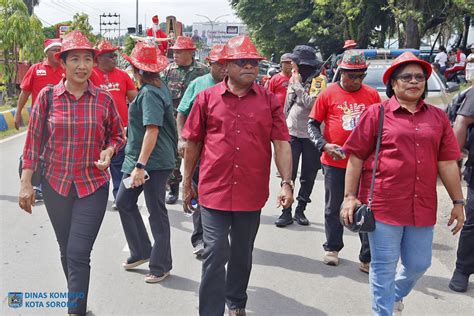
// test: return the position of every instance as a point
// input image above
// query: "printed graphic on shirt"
(40, 72)
(352, 113)
(110, 86)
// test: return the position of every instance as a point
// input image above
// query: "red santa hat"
(155, 19)
(52, 42)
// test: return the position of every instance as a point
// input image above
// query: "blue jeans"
(388, 244)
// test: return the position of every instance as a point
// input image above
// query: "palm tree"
(30, 4)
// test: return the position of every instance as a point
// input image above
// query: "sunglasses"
(356, 76)
(242, 62)
(407, 77)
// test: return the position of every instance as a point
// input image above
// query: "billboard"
(217, 33)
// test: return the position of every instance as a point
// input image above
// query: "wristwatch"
(139, 165)
(461, 201)
(289, 182)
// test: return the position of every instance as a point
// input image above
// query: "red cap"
(215, 52)
(406, 58)
(183, 43)
(147, 57)
(350, 43)
(353, 60)
(239, 47)
(52, 42)
(104, 46)
(73, 41)
(155, 19)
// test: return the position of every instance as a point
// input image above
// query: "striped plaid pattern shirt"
(77, 131)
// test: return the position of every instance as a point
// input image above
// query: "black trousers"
(465, 254)
(334, 196)
(218, 286)
(196, 236)
(310, 164)
(76, 222)
(134, 228)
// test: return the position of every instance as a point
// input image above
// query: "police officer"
(465, 256)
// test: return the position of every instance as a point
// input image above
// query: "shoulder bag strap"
(377, 149)
(46, 114)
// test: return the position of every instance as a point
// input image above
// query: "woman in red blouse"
(77, 135)
(417, 145)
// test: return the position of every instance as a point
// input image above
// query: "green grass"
(10, 132)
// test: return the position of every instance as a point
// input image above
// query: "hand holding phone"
(127, 182)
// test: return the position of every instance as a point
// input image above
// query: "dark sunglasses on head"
(407, 77)
(243, 62)
(356, 76)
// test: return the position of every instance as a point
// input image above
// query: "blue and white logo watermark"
(15, 299)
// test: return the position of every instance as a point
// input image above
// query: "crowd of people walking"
(89, 116)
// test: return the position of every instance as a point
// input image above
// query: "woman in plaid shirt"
(77, 135)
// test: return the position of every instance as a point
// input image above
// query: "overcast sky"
(53, 11)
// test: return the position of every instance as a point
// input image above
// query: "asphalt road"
(288, 276)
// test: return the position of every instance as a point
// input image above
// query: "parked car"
(439, 94)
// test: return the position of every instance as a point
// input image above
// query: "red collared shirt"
(118, 83)
(236, 133)
(78, 130)
(412, 145)
(39, 76)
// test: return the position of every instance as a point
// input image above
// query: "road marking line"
(12, 137)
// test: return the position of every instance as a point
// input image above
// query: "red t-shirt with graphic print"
(118, 83)
(340, 111)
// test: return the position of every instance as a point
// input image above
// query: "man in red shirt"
(278, 84)
(155, 31)
(39, 76)
(340, 107)
(116, 81)
(230, 128)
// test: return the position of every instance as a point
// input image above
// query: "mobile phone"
(343, 154)
(127, 182)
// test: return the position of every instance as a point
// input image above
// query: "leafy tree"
(15, 26)
(278, 25)
(33, 48)
(80, 21)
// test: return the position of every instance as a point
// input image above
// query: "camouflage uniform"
(178, 78)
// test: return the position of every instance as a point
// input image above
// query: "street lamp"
(212, 24)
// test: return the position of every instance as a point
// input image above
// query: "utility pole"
(136, 18)
(109, 23)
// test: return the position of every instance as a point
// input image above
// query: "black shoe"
(38, 195)
(171, 198)
(172, 195)
(301, 219)
(284, 219)
(459, 282)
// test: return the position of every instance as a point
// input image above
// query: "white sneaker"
(199, 249)
(331, 258)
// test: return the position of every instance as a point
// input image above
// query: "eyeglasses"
(407, 77)
(242, 62)
(356, 76)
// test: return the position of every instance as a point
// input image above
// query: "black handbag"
(363, 220)
(37, 176)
